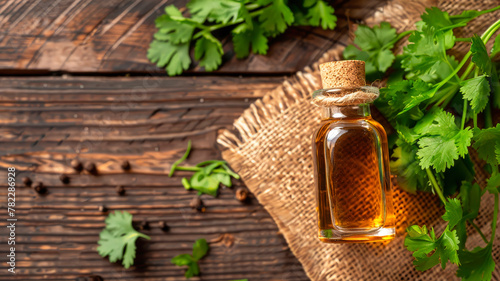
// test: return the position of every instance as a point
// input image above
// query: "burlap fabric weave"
(270, 147)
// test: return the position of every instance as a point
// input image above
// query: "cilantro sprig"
(200, 249)
(208, 174)
(429, 99)
(249, 22)
(117, 239)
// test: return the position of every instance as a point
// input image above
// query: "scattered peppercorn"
(241, 194)
(77, 165)
(39, 188)
(125, 165)
(64, 179)
(144, 225)
(163, 226)
(103, 208)
(120, 190)
(197, 204)
(27, 181)
(91, 168)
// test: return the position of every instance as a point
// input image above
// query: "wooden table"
(76, 84)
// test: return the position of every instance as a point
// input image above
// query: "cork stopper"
(344, 73)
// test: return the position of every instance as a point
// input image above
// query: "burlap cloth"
(270, 147)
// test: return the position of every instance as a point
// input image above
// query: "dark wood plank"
(114, 35)
(47, 121)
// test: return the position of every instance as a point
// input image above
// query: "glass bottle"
(351, 160)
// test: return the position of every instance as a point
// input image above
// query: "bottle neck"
(345, 112)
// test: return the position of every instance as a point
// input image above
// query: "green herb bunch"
(250, 23)
(429, 99)
(208, 174)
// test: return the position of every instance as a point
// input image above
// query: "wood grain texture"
(114, 35)
(48, 121)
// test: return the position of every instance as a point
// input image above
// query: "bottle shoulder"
(365, 124)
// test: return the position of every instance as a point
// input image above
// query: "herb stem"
(485, 37)
(196, 169)
(184, 157)
(435, 185)
(399, 37)
(464, 114)
(479, 231)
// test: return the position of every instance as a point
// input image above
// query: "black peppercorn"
(144, 225)
(163, 226)
(120, 190)
(77, 165)
(27, 181)
(91, 168)
(64, 179)
(125, 165)
(39, 188)
(102, 208)
(197, 204)
(241, 194)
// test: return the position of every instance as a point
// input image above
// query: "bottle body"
(353, 188)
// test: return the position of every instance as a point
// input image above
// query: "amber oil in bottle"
(351, 160)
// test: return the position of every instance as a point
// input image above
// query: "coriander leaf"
(477, 91)
(200, 249)
(422, 244)
(208, 50)
(480, 55)
(496, 47)
(453, 212)
(230, 11)
(276, 17)
(117, 236)
(444, 142)
(441, 20)
(471, 200)
(436, 18)
(245, 37)
(405, 164)
(493, 183)
(193, 270)
(322, 13)
(477, 264)
(221, 11)
(376, 44)
(172, 30)
(181, 260)
(427, 54)
(175, 57)
(485, 141)
(438, 152)
(401, 97)
(497, 151)
(200, 9)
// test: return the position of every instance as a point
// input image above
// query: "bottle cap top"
(343, 73)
